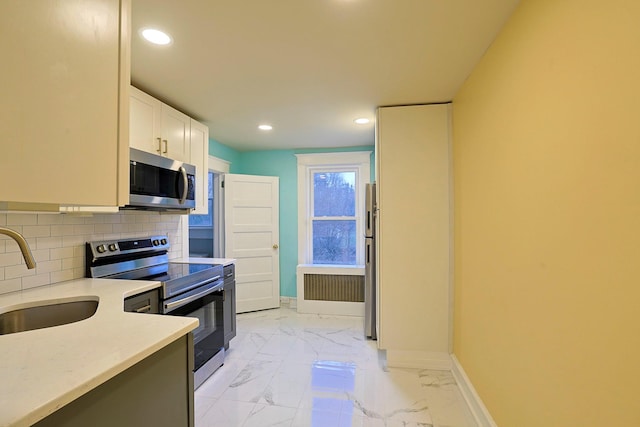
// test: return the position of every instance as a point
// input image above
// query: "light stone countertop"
(192, 260)
(44, 369)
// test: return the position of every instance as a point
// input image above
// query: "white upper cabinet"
(144, 125)
(64, 102)
(200, 158)
(158, 128)
(175, 134)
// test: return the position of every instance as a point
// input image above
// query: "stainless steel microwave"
(160, 183)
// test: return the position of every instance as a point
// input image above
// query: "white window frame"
(329, 162)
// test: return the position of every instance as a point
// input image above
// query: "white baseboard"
(290, 302)
(439, 361)
(479, 412)
(337, 308)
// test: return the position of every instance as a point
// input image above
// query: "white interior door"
(251, 237)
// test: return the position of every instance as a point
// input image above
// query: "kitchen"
(566, 58)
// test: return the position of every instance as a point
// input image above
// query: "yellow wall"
(546, 135)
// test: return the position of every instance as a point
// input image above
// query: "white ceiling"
(307, 67)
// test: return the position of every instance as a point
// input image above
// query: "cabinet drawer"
(146, 302)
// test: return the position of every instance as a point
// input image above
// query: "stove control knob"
(156, 242)
(164, 241)
(113, 247)
(101, 249)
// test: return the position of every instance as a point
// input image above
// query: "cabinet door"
(144, 123)
(63, 105)
(200, 158)
(414, 220)
(176, 134)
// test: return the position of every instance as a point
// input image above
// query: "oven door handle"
(169, 306)
(201, 283)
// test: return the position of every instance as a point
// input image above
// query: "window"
(331, 200)
(205, 220)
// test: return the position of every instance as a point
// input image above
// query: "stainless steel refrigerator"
(370, 282)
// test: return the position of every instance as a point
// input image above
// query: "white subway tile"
(78, 273)
(12, 285)
(15, 271)
(103, 228)
(148, 227)
(49, 266)
(37, 280)
(119, 228)
(61, 276)
(62, 230)
(83, 229)
(69, 263)
(41, 255)
(70, 241)
(59, 253)
(95, 219)
(128, 219)
(49, 219)
(36, 231)
(48, 242)
(78, 251)
(10, 258)
(73, 219)
(22, 219)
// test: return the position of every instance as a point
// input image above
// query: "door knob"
(275, 246)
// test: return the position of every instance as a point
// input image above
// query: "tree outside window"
(333, 222)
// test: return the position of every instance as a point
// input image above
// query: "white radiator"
(330, 289)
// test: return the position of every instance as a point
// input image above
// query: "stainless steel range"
(195, 290)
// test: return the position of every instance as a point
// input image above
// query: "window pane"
(334, 242)
(334, 194)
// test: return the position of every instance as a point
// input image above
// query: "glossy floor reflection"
(290, 369)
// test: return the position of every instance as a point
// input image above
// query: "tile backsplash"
(57, 242)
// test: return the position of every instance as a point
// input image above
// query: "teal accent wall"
(224, 152)
(283, 164)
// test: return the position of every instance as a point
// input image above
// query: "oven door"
(208, 337)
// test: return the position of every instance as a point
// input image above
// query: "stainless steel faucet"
(24, 246)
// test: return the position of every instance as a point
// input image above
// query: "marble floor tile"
(299, 370)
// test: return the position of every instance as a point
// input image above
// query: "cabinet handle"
(159, 145)
(185, 180)
(144, 309)
(166, 146)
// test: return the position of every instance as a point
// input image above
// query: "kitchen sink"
(46, 315)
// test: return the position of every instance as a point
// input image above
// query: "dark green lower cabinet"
(157, 391)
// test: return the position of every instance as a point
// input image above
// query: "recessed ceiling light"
(155, 36)
(361, 121)
(265, 127)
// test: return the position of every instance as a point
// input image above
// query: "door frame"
(217, 166)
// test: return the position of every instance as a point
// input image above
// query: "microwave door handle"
(185, 190)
